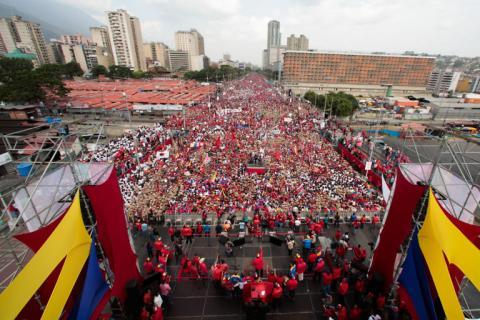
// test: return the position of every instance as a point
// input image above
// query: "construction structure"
(443, 172)
(50, 173)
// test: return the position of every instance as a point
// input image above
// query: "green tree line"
(21, 83)
(216, 74)
(338, 103)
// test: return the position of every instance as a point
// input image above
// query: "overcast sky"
(239, 27)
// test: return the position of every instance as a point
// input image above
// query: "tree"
(98, 70)
(21, 84)
(138, 74)
(72, 69)
(119, 72)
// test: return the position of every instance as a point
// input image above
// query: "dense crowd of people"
(205, 169)
(337, 264)
(199, 164)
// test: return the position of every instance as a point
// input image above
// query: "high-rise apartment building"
(83, 54)
(190, 41)
(272, 57)
(126, 40)
(75, 39)
(297, 43)
(156, 53)
(101, 39)
(441, 82)
(25, 35)
(274, 36)
(358, 74)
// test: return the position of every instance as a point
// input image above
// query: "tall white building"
(25, 35)
(274, 49)
(274, 36)
(191, 42)
(126, 40)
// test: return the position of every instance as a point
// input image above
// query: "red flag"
(277, 155)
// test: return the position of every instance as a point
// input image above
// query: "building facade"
(191, 42)
(75, 39)
(358, 74)
(441, 82)
(126, 40)
(297, 43)
(101, 39)
(274, 36)
(178, 60)
(198, 63)
(156, 54)
(83, 54)
(24, 35)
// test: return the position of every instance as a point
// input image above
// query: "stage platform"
(195, 300)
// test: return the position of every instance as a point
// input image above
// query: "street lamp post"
(124, 94)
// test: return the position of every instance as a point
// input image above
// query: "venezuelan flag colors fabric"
(415, 283)
(441, 240)
(94, 288)
(70, 242)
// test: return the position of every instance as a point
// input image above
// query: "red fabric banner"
(397, 227)
(107, 204)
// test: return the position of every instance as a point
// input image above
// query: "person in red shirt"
(336, 275)
(342, 312)
(147, 298)
(145, 315)
(277, 293)
(158, 245)
(291, 286)
(312, 258)
(317, 272)
(157, 314)
(148, 266)
(359, 289)
(343, 290)
(199, 229)
(360, 254)
(338, 235)
(272, 277)
(301, 268)
(341, 251)
(187, 232)
(326, 282)
(355, 313)
(171, 233)
(257, 263)
(380, 302)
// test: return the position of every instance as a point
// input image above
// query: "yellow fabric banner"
(439, 237)
(69, 240)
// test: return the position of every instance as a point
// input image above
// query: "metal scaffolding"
(450, 165)
(53, 157)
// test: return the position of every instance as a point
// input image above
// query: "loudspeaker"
(222, 239)
(276, 241)
(239, 242)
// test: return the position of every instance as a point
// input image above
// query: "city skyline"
(239, 27)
